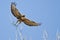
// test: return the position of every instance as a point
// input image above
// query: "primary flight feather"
(22, 18)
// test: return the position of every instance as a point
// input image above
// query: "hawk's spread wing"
(15, 11)
(30, 23)
(17, 14)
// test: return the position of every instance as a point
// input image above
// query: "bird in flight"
(22, 18)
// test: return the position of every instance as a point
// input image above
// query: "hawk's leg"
(18, 22)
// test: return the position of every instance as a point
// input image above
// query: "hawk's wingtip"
(39, 24)
(13, 3)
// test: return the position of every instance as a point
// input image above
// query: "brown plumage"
(22, 18)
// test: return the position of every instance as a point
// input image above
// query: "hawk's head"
(23, 15)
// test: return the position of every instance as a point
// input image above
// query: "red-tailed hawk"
(22, 18)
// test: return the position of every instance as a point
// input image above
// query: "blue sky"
(45, 11)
